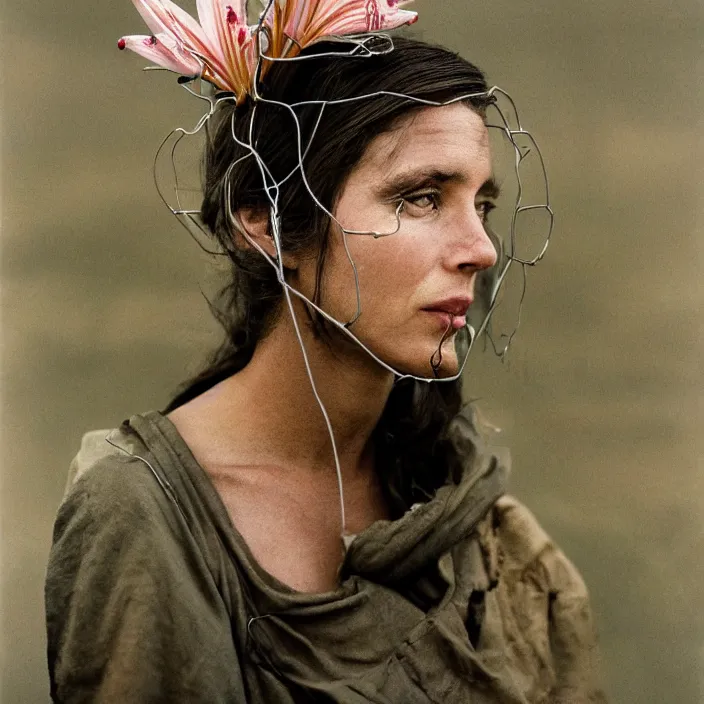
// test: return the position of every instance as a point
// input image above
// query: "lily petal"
(162, 50)
(366, 16)
(310, 20)
(209, 10)
(164, 16)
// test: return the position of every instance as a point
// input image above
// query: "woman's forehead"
(449, 138)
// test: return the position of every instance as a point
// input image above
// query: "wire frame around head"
(512, 256)
(501, 115)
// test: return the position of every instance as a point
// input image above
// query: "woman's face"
(415, 285)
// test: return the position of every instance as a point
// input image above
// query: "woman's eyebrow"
(490, 188)
(416, 177)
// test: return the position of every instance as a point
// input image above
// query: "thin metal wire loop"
(359, 47)
(271, 186)
(513, 132)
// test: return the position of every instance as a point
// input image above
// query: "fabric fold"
(463, 598)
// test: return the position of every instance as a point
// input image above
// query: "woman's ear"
(254, 230)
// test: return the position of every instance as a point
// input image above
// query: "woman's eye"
(420, 203)
(484, 208)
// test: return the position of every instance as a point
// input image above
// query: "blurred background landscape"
(600, 399)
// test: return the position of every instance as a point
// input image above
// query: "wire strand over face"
(223, 51)
(520, 245)
(518, 250)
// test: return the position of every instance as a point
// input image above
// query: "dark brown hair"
(415, 448)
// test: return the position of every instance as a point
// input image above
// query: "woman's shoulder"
(113, 480)
(98, 462)
(130, 592)
(137, 487)
(105, 459)
(123, 519)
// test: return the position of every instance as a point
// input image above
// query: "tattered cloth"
(153, 596)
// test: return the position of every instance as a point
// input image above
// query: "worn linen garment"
(153, 596)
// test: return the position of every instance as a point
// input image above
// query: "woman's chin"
(424, 361)
(432, 366)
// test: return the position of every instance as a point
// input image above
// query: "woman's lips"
(448, 319)
(452, 312)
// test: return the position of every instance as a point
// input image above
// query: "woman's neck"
(268, 414)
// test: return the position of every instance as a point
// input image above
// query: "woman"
(200, 555)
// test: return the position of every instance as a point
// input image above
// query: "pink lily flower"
(219, 49)
(306, 21)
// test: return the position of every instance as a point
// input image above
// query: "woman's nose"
(475, 250)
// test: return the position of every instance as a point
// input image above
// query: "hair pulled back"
(416, 450)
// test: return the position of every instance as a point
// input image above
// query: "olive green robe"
(153, 596)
